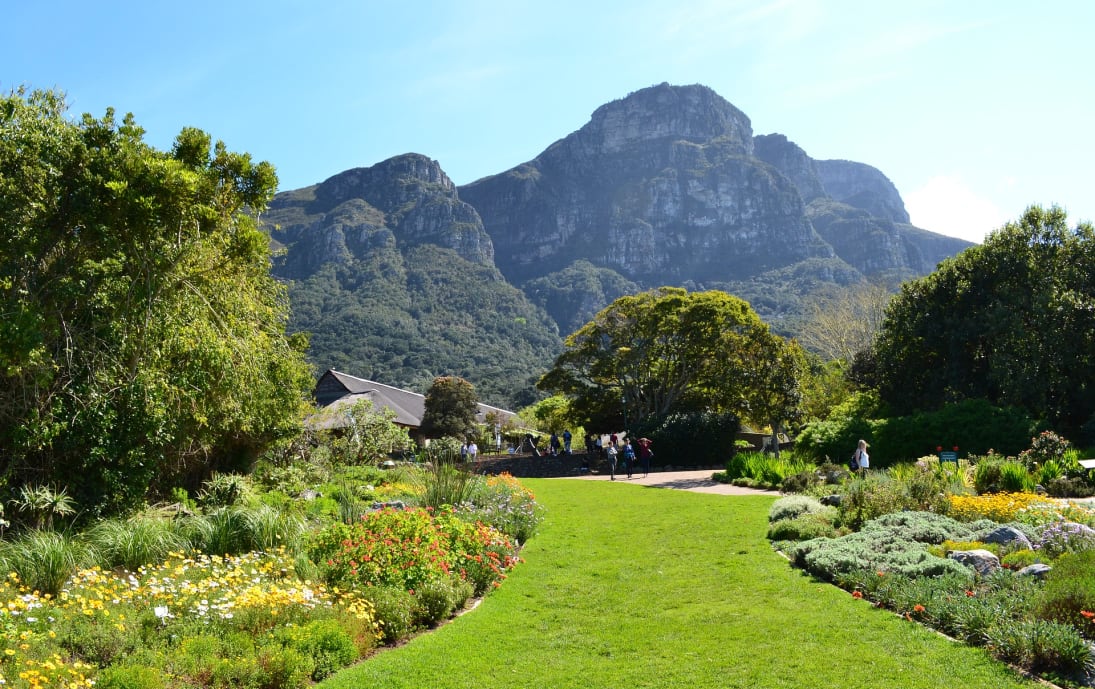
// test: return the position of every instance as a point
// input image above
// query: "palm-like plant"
(42, 504)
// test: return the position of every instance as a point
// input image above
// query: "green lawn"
(627, 586)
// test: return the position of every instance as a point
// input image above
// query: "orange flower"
(857, 594)
(970, 594)
(1087, 613)
(918, 608)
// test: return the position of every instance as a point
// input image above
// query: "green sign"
(948, 456)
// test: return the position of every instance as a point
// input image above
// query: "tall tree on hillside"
(143, 341)
(666, 351)
(1011, 321)
(840, 325)
(451, 406)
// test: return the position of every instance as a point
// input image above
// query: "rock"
(862, 186)
(1038, 570)
(982, 561)
(831, 500)
(1008, 536)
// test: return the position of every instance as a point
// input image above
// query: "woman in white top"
(862, 459)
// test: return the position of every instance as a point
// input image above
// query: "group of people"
(560, 444)
(469, 451)
(624, 453)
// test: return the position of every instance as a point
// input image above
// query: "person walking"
(645, 453)
(861, 459)
(567, 437)
(629, 457)
(553, 443)
(611, 454)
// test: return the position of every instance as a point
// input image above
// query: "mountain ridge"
(666, 186)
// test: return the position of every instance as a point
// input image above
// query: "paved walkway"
(699, 481)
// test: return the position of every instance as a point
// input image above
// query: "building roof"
(336, 392)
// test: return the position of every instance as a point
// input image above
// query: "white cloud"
(944, 204)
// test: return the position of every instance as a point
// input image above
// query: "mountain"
(400, 275)
(393, 276)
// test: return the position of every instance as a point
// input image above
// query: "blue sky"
(975, 109)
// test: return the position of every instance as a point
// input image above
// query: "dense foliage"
(1011, 321)
(404, 318)
(451, 406)
(666, 351)
(143, 340)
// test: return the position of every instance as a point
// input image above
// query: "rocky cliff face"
(400, 275)
(862, 186)
(407, 200)
(661, 186)
(793, 162)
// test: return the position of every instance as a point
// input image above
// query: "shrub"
(436, 600)
(131, 677)
(1063, 537)
(830, 558)
(1020, 559)
(802, 528)
(794, 506)
(1069, 487)
(325, 642)
(502, 502)
(1047, 446)
(395, 611)
(1069, 589)
(692, 438)
(870, 496)
(920, 527)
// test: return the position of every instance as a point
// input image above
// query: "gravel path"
(699, 481)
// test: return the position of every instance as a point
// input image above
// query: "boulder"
(1008, 536)
(982, 561)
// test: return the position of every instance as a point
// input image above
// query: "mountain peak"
(693, 113)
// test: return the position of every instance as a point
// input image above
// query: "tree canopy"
(666, 351)
(451, 406)
(1011, 321)
(143, 340)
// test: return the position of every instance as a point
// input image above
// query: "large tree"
(450, 408)
(143, 340)
(665, 351)
(1011, 321)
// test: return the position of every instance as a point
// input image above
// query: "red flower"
(918, 608)
(1088, 614)
(857, 594)
(970, 594)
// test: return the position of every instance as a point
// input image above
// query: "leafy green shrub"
(866, 497)
(1069, 487)
(792, 506)
(801, 528)
(436, 600)
(691, 438)
(1069, 589)
(1020, 559)
(131, 677)
(1046, 446)
(395, 611)
(765, 470)
(325, 642)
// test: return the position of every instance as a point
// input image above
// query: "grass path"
(627, 586)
